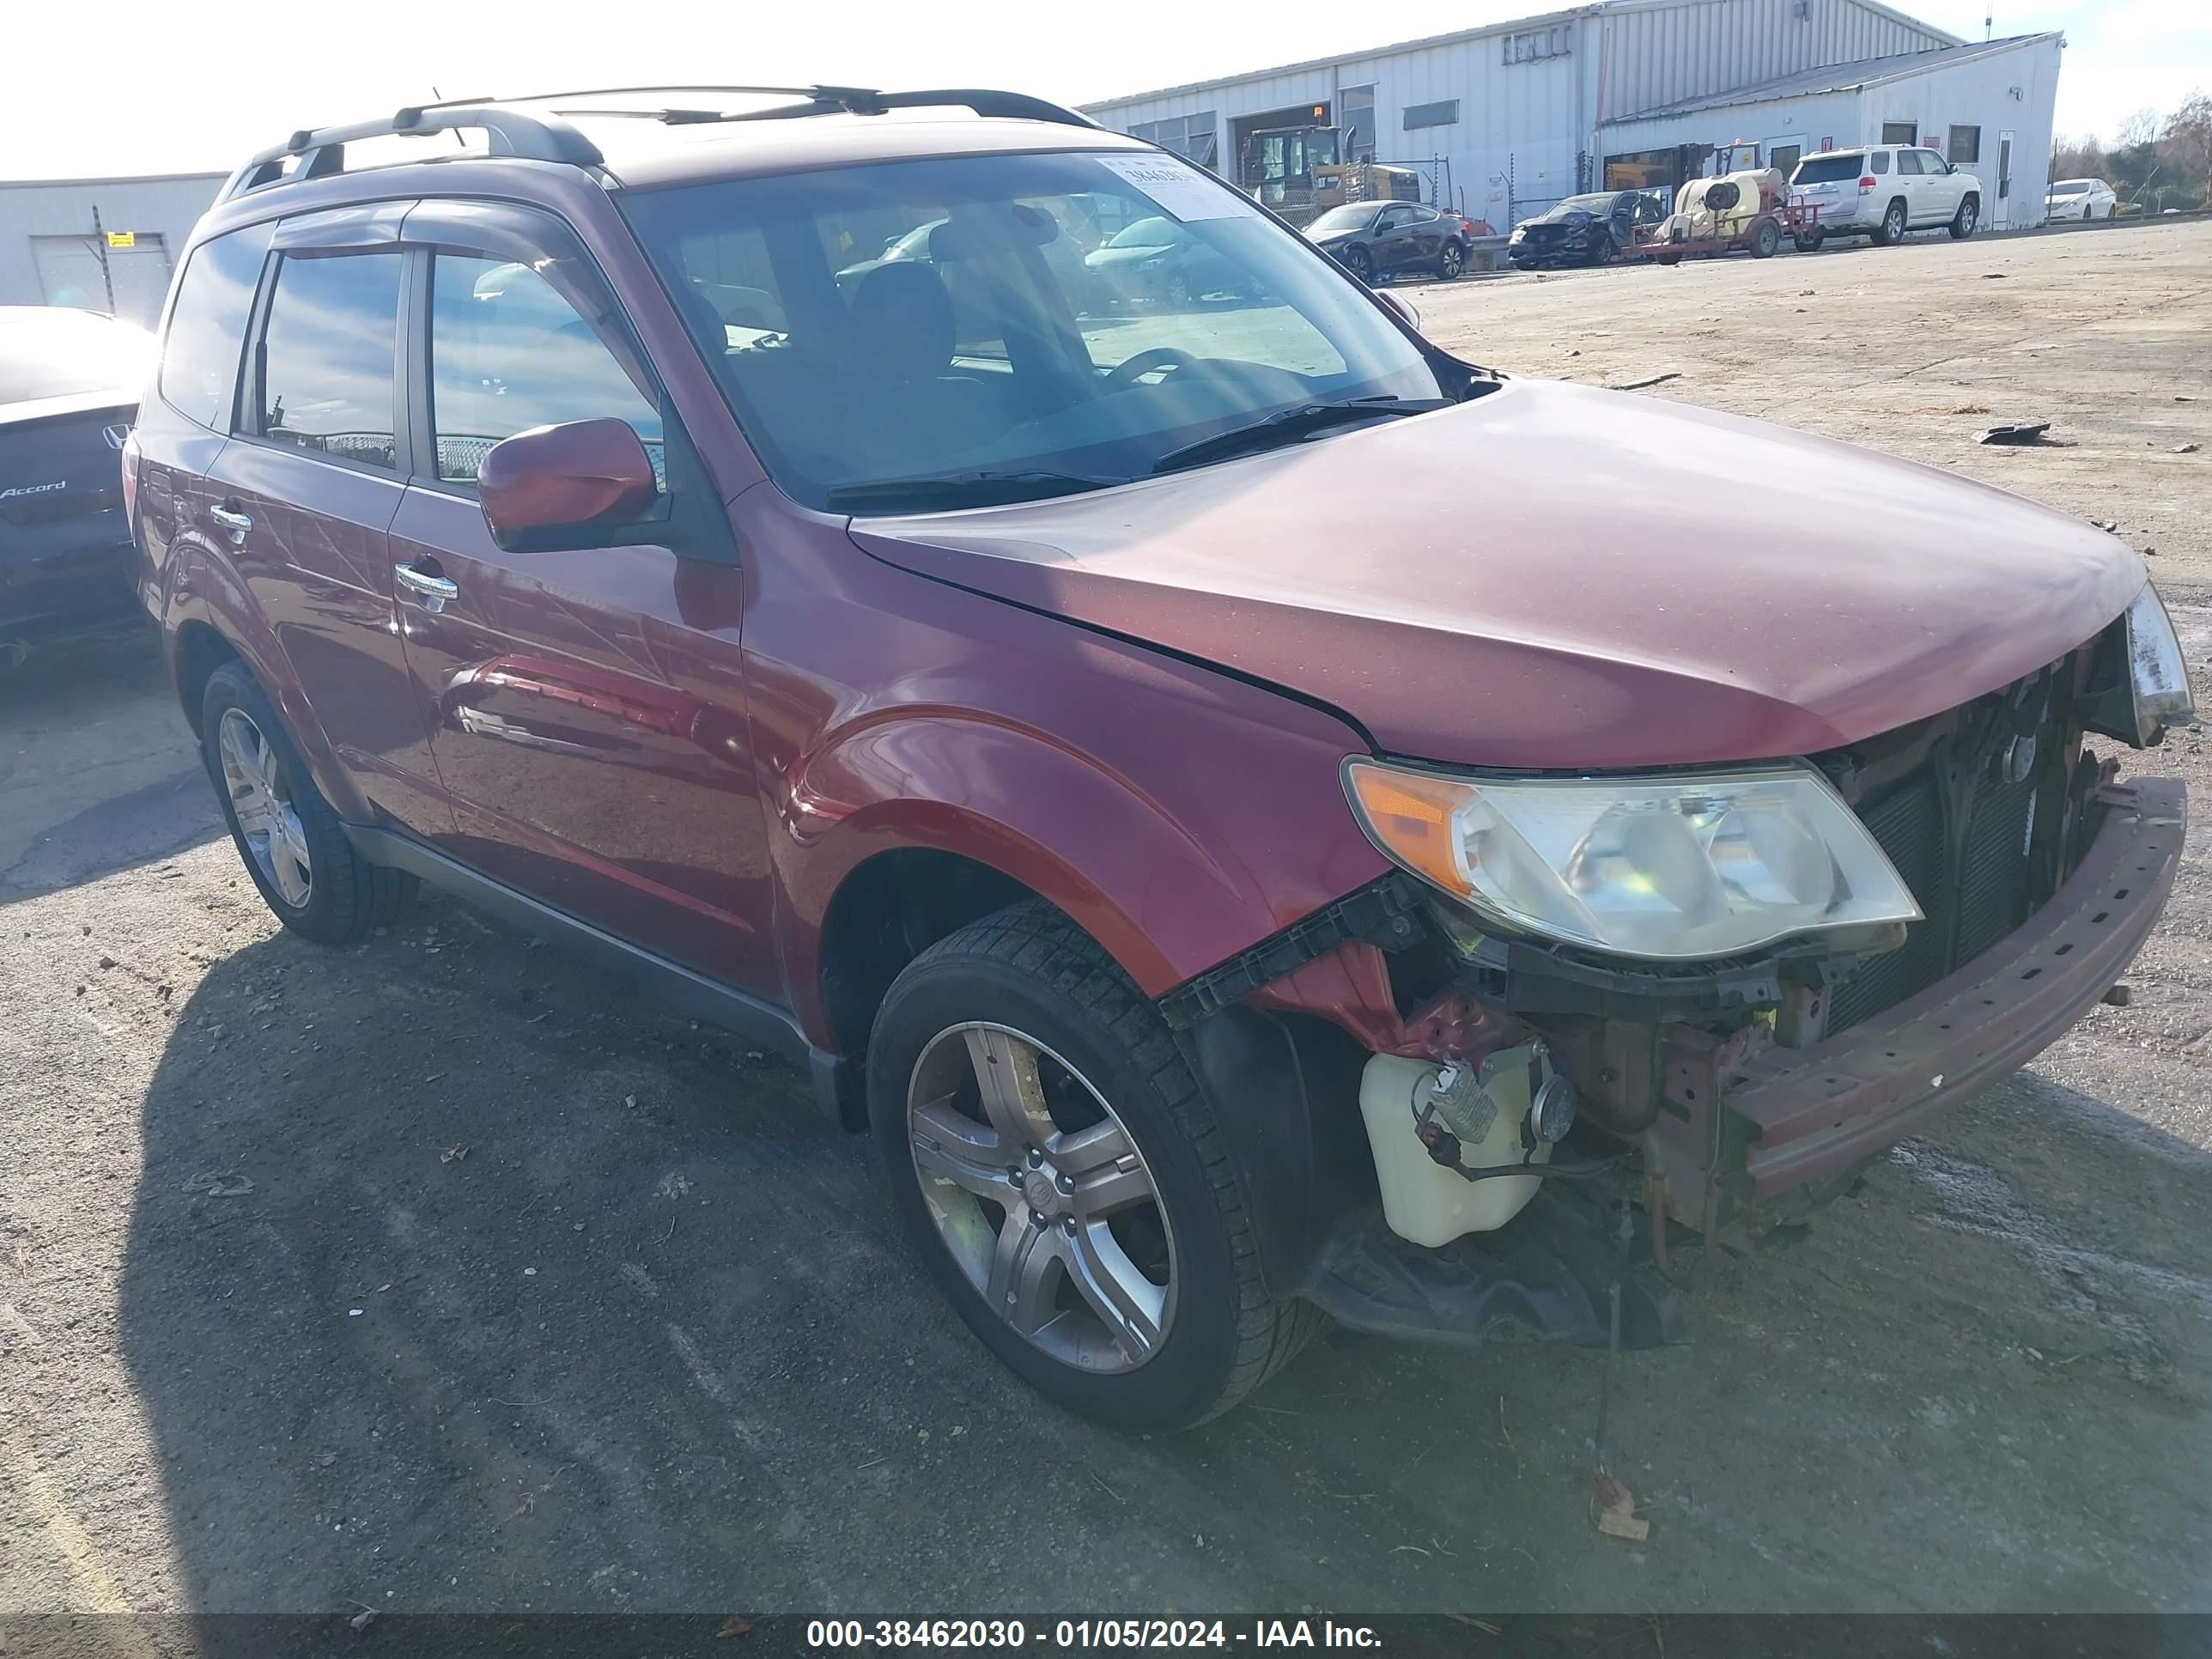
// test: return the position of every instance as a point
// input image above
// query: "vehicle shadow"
(459, 1278)
(98, 770)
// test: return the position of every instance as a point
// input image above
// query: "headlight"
(2157, 689)
(1672, 868)
(1520, 233)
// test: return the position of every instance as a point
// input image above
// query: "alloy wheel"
(262, 802)
(1453, 260)
(1041, 1197)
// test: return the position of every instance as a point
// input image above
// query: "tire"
(1096, 1048)
(332, 896)
(1602, 252)
(1809, 241)
(1451, 261)
(1360, 264)
(1668, 258)
(1891, 231)
(1963, 222)
(1765, 238)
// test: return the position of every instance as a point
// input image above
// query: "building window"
(1899, 132)
(1530, 45)
(1444, 113)
(1356, 105)
(1190, 136)
(1965, 146)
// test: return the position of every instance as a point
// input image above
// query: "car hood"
(1558, 577)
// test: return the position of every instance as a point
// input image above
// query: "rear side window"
(509, 352)
(207, 326)
(1831, 169)
(326, 374)
(1880, 164)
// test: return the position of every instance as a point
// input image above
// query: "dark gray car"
(68, 392)
(1381, 240)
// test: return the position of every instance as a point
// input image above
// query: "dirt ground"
(445, 1274)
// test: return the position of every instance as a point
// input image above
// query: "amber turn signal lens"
(1409, 818)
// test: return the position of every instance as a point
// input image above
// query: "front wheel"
(1451, 261)
(1360, 264)
(1963, 222)
(1065, 1179)
(290, 838)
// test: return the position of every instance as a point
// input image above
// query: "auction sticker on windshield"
(1177, 189)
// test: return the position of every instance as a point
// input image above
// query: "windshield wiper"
(959, 490)
(1286, 425)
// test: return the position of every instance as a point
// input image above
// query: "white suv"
(1883, 192)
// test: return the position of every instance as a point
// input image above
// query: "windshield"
(1353, 216)
(2070, 187)
(1600, 204)
(1017, 339)
(1829, 169)
(58, 353)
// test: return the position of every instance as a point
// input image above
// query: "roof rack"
(532, 134)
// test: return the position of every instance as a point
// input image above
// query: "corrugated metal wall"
(1661, 55)
(1524, 127)
(1977, 92)
(46, 238)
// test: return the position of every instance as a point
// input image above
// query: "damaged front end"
(1535, 1115)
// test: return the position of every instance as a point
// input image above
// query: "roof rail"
(511, 130)
(320, 151)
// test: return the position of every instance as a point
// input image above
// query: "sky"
(108, 86)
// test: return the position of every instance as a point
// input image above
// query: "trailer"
(1738, 212)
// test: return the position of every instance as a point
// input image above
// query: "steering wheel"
(1136, 369)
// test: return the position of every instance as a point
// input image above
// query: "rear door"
(587, 704)
(303, 494)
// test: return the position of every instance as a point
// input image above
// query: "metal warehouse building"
(104, 244)
(1502, 121)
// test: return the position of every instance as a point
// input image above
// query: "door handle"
(235, 521)
(434, 590)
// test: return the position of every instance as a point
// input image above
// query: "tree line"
(2159, 162)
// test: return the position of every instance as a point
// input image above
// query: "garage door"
(69, 274)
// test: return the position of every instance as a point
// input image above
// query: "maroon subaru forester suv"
(1235, 897)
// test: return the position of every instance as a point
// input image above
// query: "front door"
(307, 488)
(586, 705)
(2002, 216)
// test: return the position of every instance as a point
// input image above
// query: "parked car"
(1232, 901)
(1584, 230)
(1383, 240)
(69, 391)
(1884, 192)
(2081, 198)
(1159, 260)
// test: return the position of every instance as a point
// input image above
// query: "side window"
(509, 352)
(325, 381)
(207, 326)
(1878, 162)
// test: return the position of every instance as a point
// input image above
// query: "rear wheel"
(1765, 238)
(1809, 242)
(1891, 231)
(1067, 1179)
(1451, 261)
(1963, 222)
(290, 837)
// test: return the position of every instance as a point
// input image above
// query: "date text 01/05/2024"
(831, 1634)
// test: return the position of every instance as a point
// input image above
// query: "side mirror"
(564, 486)
(1404, 308)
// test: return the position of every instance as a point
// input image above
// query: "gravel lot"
(442, 1273)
